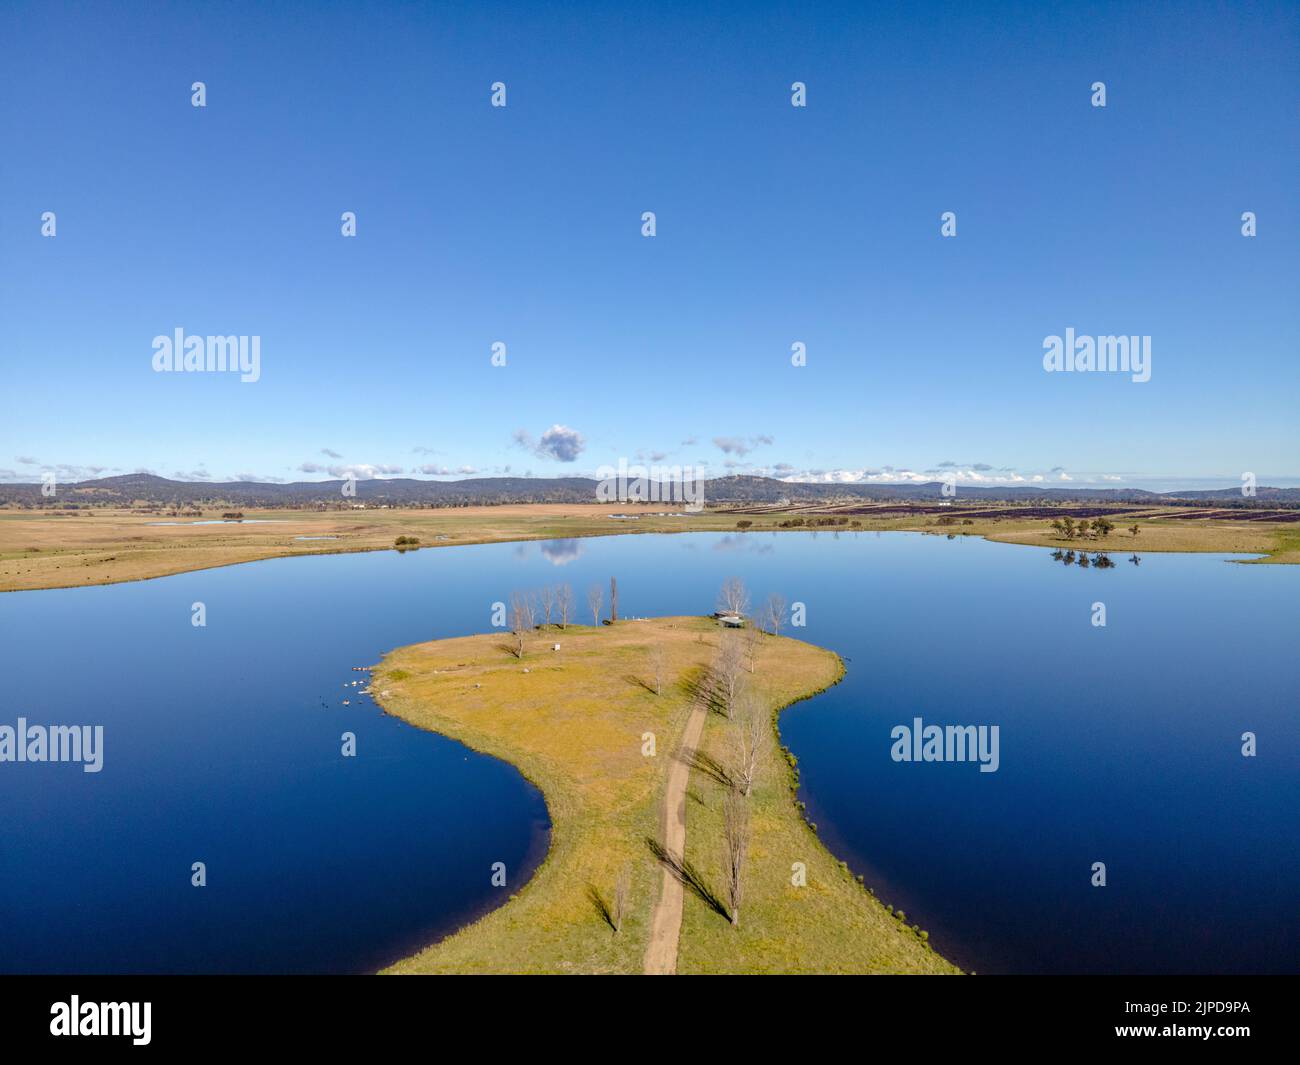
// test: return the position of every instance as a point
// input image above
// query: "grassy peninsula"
(576, 721)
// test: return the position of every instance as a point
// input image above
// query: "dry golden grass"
(40, 550)
(575, 725)
(48, 550)
(830, 923)
(1160, 536)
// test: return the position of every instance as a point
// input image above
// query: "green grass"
(831, 924)
(574, 725)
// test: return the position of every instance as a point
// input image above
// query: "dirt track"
(666, 921)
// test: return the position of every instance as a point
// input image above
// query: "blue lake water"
(1118, 744)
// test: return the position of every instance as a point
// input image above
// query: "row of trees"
(1098, 528)
(728, 688)
(749, 728)
(813, 523)
(529, 610)
(555, 604)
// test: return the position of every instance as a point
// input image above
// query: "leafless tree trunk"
(733, 599)
(613, 599)
(752, 634)
(521, 620)
(658, 666)
(735, 848)
(775, 613)
(595, 597)
(564, 602)
(750, 740)
(622, 890)
(548, 602)
(728, 667)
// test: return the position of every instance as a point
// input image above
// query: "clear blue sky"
(775, 225)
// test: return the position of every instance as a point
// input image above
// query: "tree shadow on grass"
(701, 685)
(632, 678)
(599, 905)
(710, 767)
(688, 876)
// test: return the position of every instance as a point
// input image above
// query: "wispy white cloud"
(362, 471)
(740, 446)
(434, 470)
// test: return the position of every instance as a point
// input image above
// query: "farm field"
(68, 549)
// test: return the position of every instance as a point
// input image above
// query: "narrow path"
(666, 921)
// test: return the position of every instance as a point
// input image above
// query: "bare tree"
(564, 603)
(613, 599)
(750, 740)
(548, 602)
(735, 848)
(733, 599)
(595, 598)
(658, 666)
(751, 635)
(521, 620)
(775, 613)
(622, 889)
(728, 669)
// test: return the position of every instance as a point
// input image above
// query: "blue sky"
(775, 224)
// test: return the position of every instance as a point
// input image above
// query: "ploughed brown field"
(1240, 515)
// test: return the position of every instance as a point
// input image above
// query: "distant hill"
(404, 491)
(1231, 495)
(148, 489)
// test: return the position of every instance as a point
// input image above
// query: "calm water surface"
(1119, 744)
